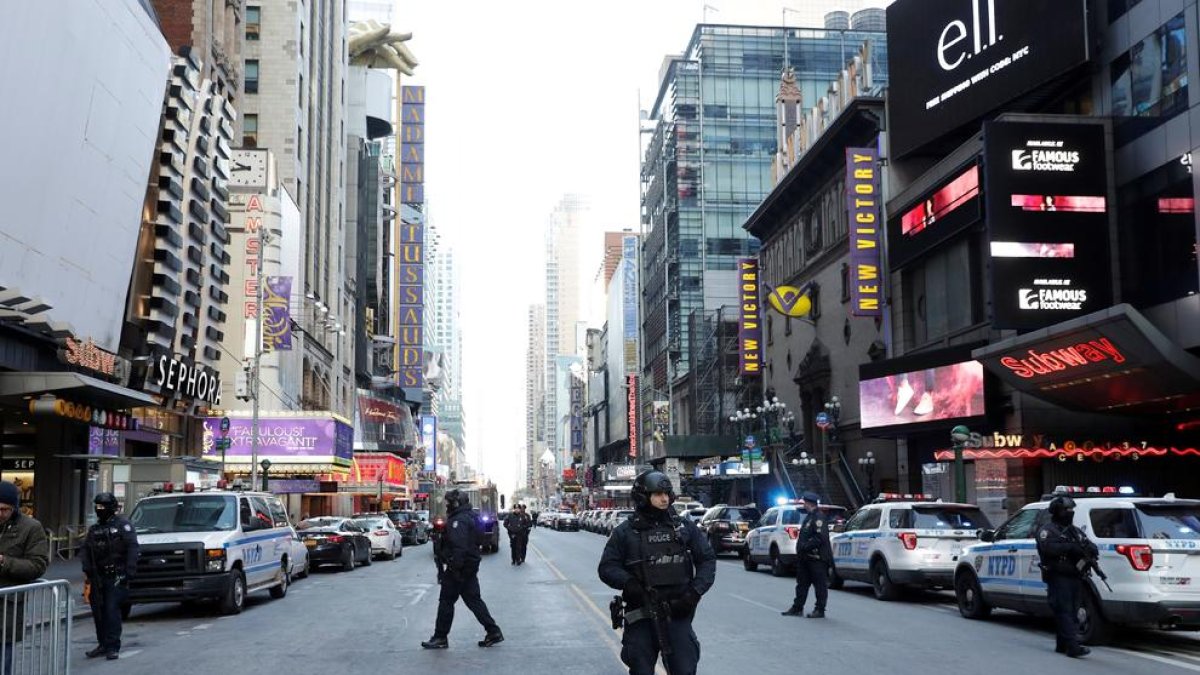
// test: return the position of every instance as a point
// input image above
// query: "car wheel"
(235, 597)
(1094, 629)
(836, 582)
(748, 563)
(367, 558)
(348, 561)
(882, 583)
(777, 567)
(303, 573)
(285, 580)
(970, 597)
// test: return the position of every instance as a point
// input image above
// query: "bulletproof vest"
(1065, 565)
(104, 539)
(667, 560)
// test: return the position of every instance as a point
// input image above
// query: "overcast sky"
(528, 100)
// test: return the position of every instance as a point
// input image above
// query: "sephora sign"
(953, 61)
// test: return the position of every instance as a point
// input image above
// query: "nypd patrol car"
(217, 545)
(1149, 549)
(772, 541)
(902, 540)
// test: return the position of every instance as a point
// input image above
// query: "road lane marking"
(1162, 659)
(203, 626)
(753, 602)
(126, 655)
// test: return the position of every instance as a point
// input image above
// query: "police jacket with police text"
(1062, 548)
(110, 549)
(813, 540)
(671, 550)
(459, 546)
(518, 523)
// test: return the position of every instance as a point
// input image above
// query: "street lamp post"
(867, 464)
(266, 467)
(833, 408)
(960, 436)
(744, 421)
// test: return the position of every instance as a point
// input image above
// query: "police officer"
(518, 525)
(109, 558)
(656, 553)
(458, 551)
(1064, 550)
(813, 557)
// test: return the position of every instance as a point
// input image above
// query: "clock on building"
(249, 169)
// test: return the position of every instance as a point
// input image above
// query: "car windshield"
(743, 514)
(318, 522)
(1169, 521)
(200, 513)
(946, 518)
(373, 523)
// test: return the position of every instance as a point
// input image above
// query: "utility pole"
(256, 386)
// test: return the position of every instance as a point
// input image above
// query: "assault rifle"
(659, 613)
(1090, 562)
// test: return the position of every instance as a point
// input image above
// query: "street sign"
(823, 420)
(750, 442)
(224, 426)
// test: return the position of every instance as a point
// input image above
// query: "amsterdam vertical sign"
(862, 202)
(411, 253)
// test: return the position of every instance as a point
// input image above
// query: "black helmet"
(1061, 505)
(106, 499)
(456, 499)
(647, 483)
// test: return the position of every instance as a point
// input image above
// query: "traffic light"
(501, 502)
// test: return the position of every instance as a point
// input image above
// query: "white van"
(210, 545)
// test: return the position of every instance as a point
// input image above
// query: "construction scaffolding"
(717, 387)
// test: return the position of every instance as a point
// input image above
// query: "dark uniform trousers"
(639, 647)
(106, 600)
(815, 573)
(519, 543)
(1064, 593)
(466, 586)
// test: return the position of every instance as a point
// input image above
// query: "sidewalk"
(72, 572)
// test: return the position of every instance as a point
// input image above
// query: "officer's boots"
(436, 642)
(491, 639)
(817, 614)
(794, 610)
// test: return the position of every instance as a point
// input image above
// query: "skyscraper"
(563, 301)
(535, 390)
(295, 84)
(696, 195)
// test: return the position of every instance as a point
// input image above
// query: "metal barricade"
(35, 628)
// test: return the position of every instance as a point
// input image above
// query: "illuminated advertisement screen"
(939, 393)
(953, 61)
(947, 210)
(1046, 208)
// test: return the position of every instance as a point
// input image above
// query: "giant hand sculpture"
(374, 45)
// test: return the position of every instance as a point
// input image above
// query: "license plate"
(311, 543)
(742, 527)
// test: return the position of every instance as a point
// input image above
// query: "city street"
(553, 611)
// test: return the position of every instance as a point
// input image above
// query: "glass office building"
(710, 143)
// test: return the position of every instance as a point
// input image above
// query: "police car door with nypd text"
(210, 545)
(1149, 549)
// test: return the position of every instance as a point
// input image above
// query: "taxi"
(1149, 549)
(904, 540)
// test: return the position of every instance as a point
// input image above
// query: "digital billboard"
(945, 211)
(291, 440)
(952, 61)
(938, 393)
(1046, 208)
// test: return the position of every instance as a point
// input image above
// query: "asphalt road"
(553, 612)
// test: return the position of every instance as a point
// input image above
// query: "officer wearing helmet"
(457, 552)
(1064, 550)
(656, 552)
(109, 556)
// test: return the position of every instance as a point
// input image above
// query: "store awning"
(67, 384)
(1113, 360)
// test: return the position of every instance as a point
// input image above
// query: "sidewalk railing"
(65, 543)
(35, 628)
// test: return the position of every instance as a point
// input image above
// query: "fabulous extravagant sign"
(862, 202)
(749, 326)
(286, 439)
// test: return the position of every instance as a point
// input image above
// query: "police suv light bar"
(903, 497)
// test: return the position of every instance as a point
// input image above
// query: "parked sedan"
(335, 541)
(413, 530)
(298, 558)
(386, 541)
(726, 526)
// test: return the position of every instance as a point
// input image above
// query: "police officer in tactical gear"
(1063, 550)
(657, 553)
(109, 558)
(458, 551)
(813, 558)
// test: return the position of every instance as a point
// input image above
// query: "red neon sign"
(1034, 363)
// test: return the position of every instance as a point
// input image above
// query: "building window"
(251, 76)
(845, 283)
(253, 21)
(1118, 8)
(250, 131)
(787, 325)
(300, 91)
(1150, 80)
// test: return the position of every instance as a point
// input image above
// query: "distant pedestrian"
(24, 555)
(813, 558)
(662, 565)
(518, 525)
(1062, 550)
(109, 557)
(457, 553)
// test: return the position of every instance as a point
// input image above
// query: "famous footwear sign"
(953, 61)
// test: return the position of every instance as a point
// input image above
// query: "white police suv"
(1149, 549)
(903, 540)
(772, 540)
(218, 544)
